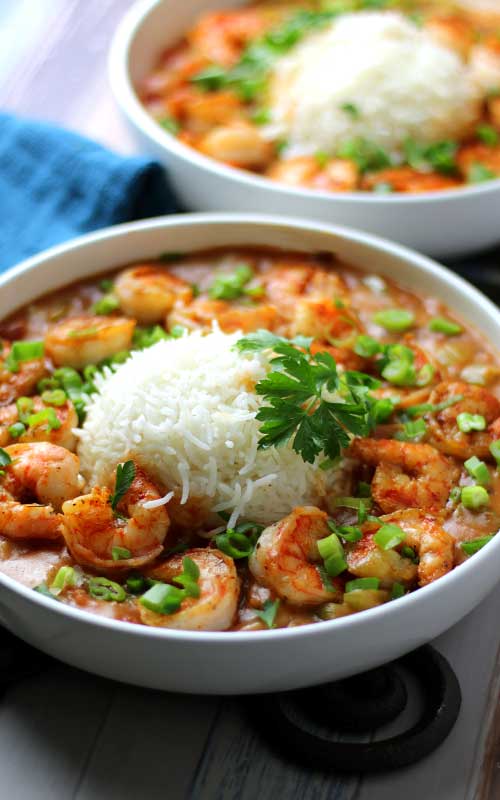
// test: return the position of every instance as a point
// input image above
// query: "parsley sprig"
(125, 474)
(308, 401)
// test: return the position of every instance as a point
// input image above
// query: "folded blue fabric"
(55, 185)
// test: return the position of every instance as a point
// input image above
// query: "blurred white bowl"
(446, 224)
(244, 662)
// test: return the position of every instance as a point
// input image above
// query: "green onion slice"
(389, 536)
(474, 545)
(362, 583)
(105, 589)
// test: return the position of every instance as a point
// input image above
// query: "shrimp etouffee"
(385, 392)
(261, 87)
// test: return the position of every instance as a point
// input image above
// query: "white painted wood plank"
(149, 746)
(48, 725)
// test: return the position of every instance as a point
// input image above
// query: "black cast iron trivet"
(361, 704)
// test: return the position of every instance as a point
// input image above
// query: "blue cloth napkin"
(55, 185)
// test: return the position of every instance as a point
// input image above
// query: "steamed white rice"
(186, 409)
(402, 82)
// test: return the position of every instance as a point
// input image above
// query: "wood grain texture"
(66, 734)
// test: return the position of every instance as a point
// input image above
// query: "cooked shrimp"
(297, 171)
(92, 529)
(338, 175)
(407, 475)
(40, 471)
(239, 144)
(146, 292)
(285, 555)
(80, 341)
(219, 36)
(443, 430)
(473, 155)
(432, 544)
(41, 431)
(287, 282)
(407, 179)
(215, 608)
(322, 319)
(452, 31)
(201, 112)
(20, 383)
(230, 317)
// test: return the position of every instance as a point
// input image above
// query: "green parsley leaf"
(125, 474)
(308, 401)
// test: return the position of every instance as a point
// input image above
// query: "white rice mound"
(185, 408)
(403, 83)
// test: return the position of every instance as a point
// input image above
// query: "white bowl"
(449, 223)
(239, 662)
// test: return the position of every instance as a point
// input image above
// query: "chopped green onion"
(189, 577)
(106, 305)
(389, 536)
(382, 188)
(120, 553)
(470, 422)
(57, 397)
(431, 408)
(16, 430)
(399, 372)
(398, 590)
(364, 489)
(42, 588)
(413, 431)
(443, 325)
(170, 124)
(162, 598)
(47, 384)
(495, 451)
(104, 589)
(474, 545)
(478, 173)
(23, 351)
(382, 409)
(332, 553)
(455, 494)
(66, 576)
(47, 415)
(477, 469)
(261, 116)
(394, 320)
(474, 497)
(409, 552)
(235, 542)
(367, 346)
(135, 584)
(366, 154)
(106, 285)
(488, 134)
(146, 337)
(24, 407)
(350, 109)
(321, 158)
(425, 375)
(351, 533)
(362, 583)
(268, 613)
(232, 285)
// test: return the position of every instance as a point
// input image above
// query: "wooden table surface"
(66, 734)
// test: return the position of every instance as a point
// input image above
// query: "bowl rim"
(128, 101)
(419, 263)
